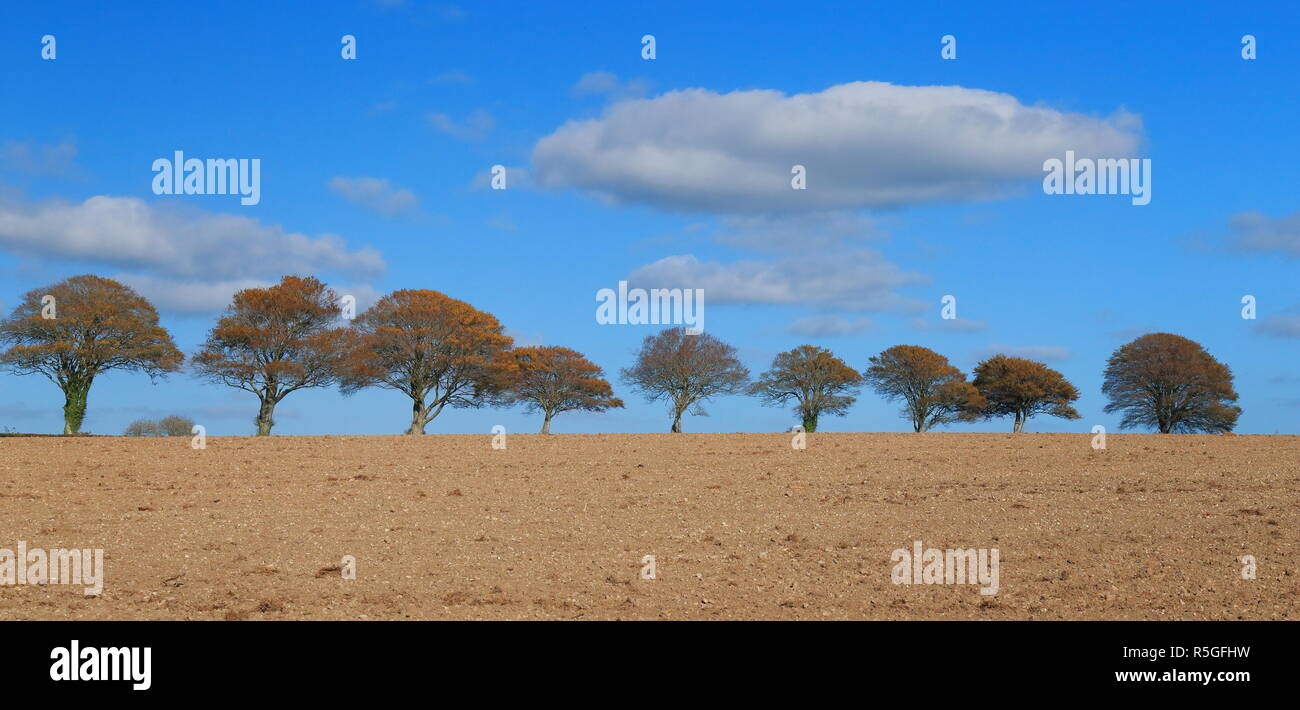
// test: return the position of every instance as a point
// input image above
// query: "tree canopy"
(434, 349)
(274, 341)
(79, 328)
(1021, 388)
(817, 381)
(553, 379)
(932, 391)
(684, 370)
(1171, 384)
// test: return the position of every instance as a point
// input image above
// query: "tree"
(684, 370)
(1171, 384)
(554, 379)
(80, 328)
(142, 427)
(167, 426)
(275, 341)
(814, 378)
(176, 425)
(1013, 386)
(932, 391)
(434, 349)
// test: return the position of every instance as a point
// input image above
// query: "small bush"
(175, 426)
(142, 427)
(167, 426)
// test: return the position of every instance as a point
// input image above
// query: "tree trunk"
(1019, 426)
(809, 422)
(546, 424)
(74, 406)
(677, 423)
(417, 417)
(265, 417)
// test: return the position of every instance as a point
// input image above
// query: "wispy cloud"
(452, 76)
(605, 83)
(829, 325)
(376, 194)
(951, 325)
(1279, 326)
(40, 159)
(860, 280)
(1256, 232)
(1041, 353)
(475, 127)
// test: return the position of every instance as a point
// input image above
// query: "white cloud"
(951, 325)
(183, 260)
(828, 325)
(606, 83)
(864, 144)
(476, 126)
(202, 297)
(38, 158)
(452, 76)
(189, 297)
(174, 241)
(524, 340)
(1283, 326)
(809, 230)
(1041, 353)
(1253, 231)
(376, 194)
(855, 280)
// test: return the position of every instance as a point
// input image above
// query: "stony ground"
(740, 526)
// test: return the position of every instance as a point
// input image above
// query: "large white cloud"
(130, 233)
(184, 260)
(864, 144)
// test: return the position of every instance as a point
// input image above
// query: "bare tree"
(684, 370)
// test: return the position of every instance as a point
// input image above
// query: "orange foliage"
(555, 379)
(98, 325)
(436, 350)
(1014, 386)
(933, 391)
(274, 341)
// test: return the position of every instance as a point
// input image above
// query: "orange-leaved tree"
(932, 391)
(1021, 388)
(434, 349)
(79, 328)
(553, 379)
(684, 370)
(274, 341)
(814, 378)
(1171, 384)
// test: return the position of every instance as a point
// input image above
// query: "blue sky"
(665, 172)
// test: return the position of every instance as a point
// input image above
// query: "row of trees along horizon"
(442, 352)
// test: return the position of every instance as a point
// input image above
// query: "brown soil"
(741, 526)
